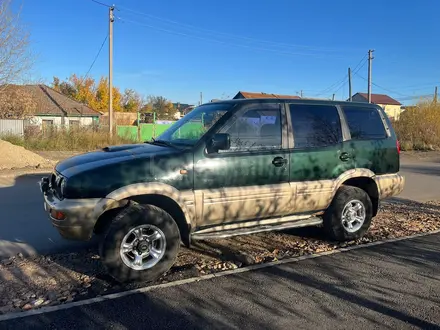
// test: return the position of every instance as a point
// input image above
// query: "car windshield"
(190, 128)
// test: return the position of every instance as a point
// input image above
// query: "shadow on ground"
(24, 225)
(392, 286)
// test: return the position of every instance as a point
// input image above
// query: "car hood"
(110, 155)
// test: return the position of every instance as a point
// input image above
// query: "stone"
(37, 302)
(52, 295)
(27, 307)
(245, 259)
(17, 302)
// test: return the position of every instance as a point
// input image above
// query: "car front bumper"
(79, 215)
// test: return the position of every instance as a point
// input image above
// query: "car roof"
(294, 101)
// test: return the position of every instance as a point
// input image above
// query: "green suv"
(228, 168)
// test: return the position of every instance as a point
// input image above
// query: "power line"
(213, 32)
(97, 55)
(221, 42)
(427, 85)
(102, 4)
(91, 65)
(342, 81)
(416, 96)
(381, 87)
(362, 59)
(356, 71)
(332, 85)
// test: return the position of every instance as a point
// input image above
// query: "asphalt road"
(391, 286)
(24, 226)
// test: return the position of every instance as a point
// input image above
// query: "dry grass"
(419, 128)
(78, 139)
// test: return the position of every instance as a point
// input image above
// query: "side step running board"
(201, 235)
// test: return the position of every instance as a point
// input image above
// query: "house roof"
(53, 103)
(379, 99)
(250, 95)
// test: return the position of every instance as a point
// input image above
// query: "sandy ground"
(16, 157)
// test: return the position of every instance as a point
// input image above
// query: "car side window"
(315, 126)
(364, 123)
(254, 129)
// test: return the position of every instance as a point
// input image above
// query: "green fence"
(147, 131)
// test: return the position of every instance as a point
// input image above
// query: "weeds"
(73, 139)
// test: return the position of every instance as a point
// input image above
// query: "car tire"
(349, 214)
(141, 244)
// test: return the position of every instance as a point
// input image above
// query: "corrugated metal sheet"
(12, 126)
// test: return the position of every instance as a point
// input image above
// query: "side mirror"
(220, 141)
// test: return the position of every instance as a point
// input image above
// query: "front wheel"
(141, 244)
(349, 215)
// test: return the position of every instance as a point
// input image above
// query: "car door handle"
(279, 161)
(345, 156)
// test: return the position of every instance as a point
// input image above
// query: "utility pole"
(301, 93)
(201, 98)
(349, 83)
(110, 70)
(370, 61)
(435, 95)
(333, 97)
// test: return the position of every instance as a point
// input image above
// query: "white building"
(55, 109)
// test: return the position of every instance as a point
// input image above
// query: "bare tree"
(16, 103)
(15, 56)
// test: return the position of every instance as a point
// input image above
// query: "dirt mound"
(16, 157)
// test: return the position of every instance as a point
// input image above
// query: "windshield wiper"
(162, 142)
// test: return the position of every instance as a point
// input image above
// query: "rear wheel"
(349, 215)
(141, 244)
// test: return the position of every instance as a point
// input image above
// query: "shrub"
(419, 127)
(14, 139)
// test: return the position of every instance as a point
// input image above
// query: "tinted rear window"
(315, 125)
(364, 123)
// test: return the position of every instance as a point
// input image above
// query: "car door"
(251, 179)
(319, 154)
(373, 146)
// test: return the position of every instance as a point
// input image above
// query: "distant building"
(251, 95)
(392, 107)
(55, 109)
(182, 109)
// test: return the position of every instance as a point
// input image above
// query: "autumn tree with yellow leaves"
(95, 94)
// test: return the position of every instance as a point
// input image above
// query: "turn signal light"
(58, 215)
